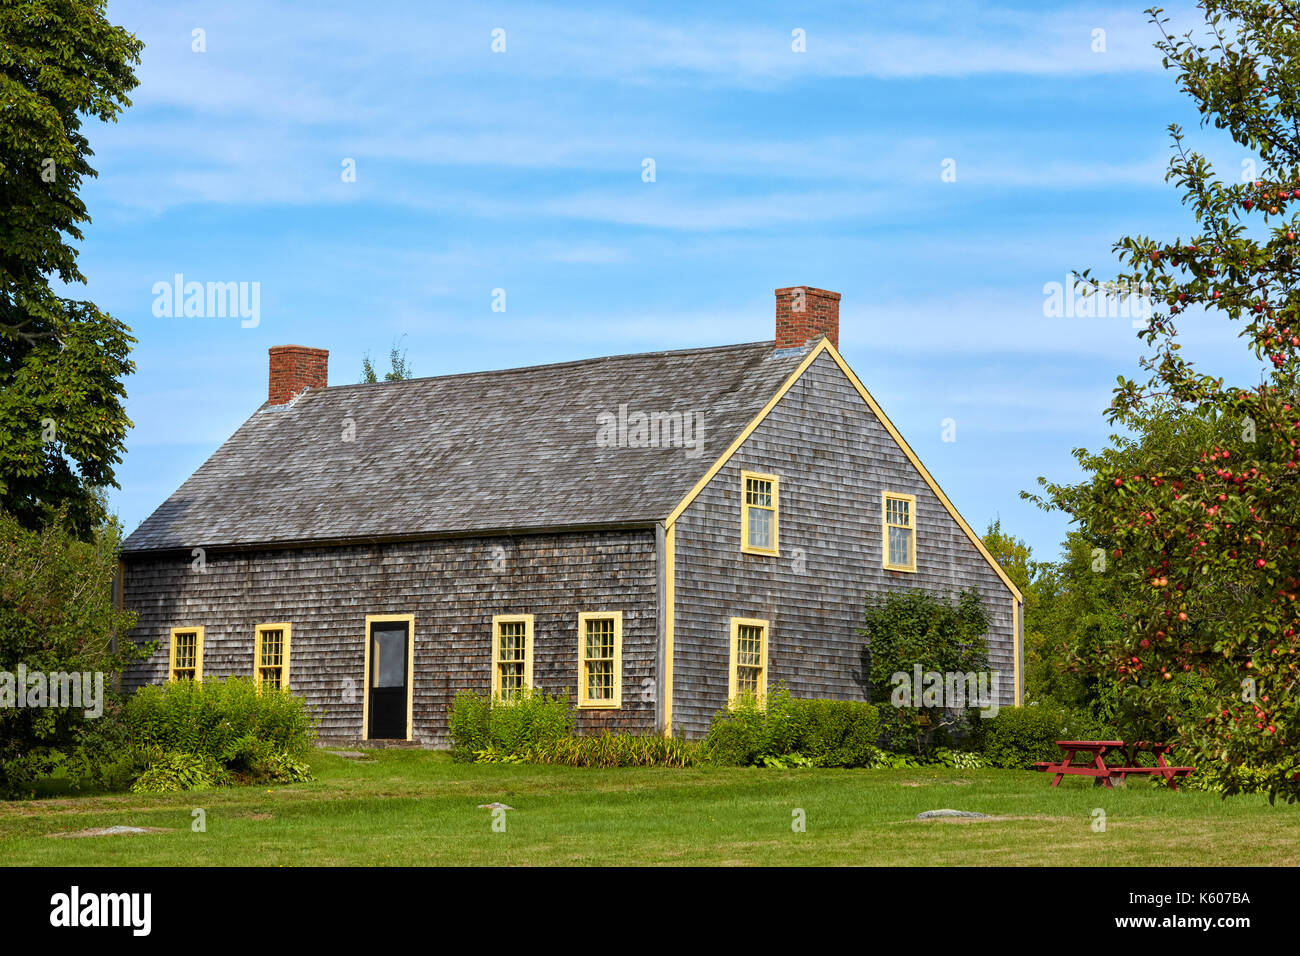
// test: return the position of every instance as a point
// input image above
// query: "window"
(748, 660)
(758, 513)
(512, 654)
(271, 655)
(186, 655)
(600, 660)
(899, 532)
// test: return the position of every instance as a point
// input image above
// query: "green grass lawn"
(414, 807)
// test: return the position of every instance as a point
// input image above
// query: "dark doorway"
(389, 666)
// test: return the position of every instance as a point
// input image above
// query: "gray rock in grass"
(939, 814)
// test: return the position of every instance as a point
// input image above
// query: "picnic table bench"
(1104, 774)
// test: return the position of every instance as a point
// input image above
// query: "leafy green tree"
(1077, 615)
(1206, 530)
(1051, 636)
(62, 424)
(399, 372)
(1016, 558)
(57, 616)
(904, 630)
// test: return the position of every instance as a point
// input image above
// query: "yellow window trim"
(198, 652)
(885, 497)
(585, 702)
(745, 546)
(410, 671)
(732, 676)
(825, 346)
(497, 621)
(287, 629)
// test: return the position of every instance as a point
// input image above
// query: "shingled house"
(653, 534)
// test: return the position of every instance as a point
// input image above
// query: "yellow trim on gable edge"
(825, 346)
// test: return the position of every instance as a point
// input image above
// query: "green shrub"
(507, 728)
(176, 772)
(284, 767)
(837, 733)
(469, 726)
(211, 716)
(1018, 737)
(536, 727)
(884, 760)
(738, 737)
(248, 734)
(617, 750)
(828, 733)
(958, 759)
(905, 630)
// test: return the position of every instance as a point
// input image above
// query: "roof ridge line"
(553, 365)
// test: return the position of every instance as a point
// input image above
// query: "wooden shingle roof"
(509, 450)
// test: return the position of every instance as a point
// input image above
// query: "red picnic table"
(1103, 773)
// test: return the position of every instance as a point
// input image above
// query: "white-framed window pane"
(900, 546)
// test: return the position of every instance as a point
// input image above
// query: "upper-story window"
(899, 531)
(759, 513)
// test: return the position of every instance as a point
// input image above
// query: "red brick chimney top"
(803, 313)
(294, 368)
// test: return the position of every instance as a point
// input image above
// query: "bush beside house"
(188, 735)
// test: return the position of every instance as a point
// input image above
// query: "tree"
(1015, 557)
(1082, 594)
(1050, 636)
(397, 359)
(57, 616)
(906, 630)
(1205, 529)
(62, 425)
(1077, 616)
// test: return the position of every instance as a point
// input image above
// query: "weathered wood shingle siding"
(834, 458)
(449, 585)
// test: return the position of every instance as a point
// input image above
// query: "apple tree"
(1203, 526)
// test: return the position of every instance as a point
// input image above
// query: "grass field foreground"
(416, 807)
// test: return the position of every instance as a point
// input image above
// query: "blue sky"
(522, 170)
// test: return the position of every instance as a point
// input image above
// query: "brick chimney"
(803, 313)
(294, 368)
